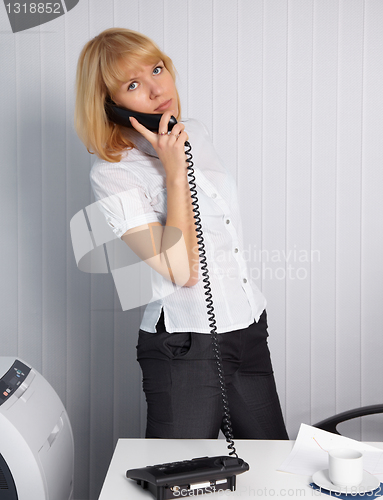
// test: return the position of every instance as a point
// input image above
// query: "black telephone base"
(189, 477)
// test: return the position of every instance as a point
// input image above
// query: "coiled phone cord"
(209, 302)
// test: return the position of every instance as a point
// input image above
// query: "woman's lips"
(164, 105)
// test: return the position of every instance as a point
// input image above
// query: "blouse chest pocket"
(207, 206)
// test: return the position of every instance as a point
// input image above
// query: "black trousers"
(180, 381)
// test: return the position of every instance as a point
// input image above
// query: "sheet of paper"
(310, 452)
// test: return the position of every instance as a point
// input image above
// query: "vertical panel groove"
(336, 219)
(361, 210)
(17, 161)
(41, 215)
(311, 198)
(262, 139)
(212, 69)
(236, 97)
(237, 100)
(285, 201)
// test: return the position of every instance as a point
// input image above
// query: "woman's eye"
(133, 86)
(157, 70)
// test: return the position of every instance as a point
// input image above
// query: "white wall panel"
(323, 208)
(274, 181)
(54, 197)
(101, 16)
(372, 210)
(291, 93)
(126, 14)
(225, 82)
(200, 67)
(9, 292)
(77, 165)
(298, 210)
(250, 131)
(102, 396)
(29, 155)
(176, 44)
(152, 19)
(348, 215)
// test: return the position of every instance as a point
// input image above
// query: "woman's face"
(148, 89)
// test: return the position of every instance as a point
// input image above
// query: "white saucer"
(369, 483)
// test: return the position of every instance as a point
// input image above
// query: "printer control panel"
(12, 380)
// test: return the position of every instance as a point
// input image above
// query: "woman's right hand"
(169, 147)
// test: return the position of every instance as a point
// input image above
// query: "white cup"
(345, 467)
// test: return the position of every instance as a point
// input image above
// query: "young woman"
(140, 179)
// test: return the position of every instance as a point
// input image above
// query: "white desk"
(262, 480)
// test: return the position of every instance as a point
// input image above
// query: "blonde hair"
(101, 69)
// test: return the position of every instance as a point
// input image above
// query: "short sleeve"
(121, 197)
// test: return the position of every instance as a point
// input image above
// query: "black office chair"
(329, 424)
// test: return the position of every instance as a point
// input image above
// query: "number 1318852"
(34, 8)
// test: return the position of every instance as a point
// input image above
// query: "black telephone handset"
(214, 471)
(120, 116)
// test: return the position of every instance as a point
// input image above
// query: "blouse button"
(244, 280)
(214, 195)
(227, 221)
(235, 250)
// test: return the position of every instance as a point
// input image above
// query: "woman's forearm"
(179, 257)
(183, 264)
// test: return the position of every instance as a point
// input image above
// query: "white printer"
(36, 440)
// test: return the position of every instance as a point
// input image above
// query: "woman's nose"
(155, 90)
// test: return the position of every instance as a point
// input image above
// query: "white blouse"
(138, 183)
